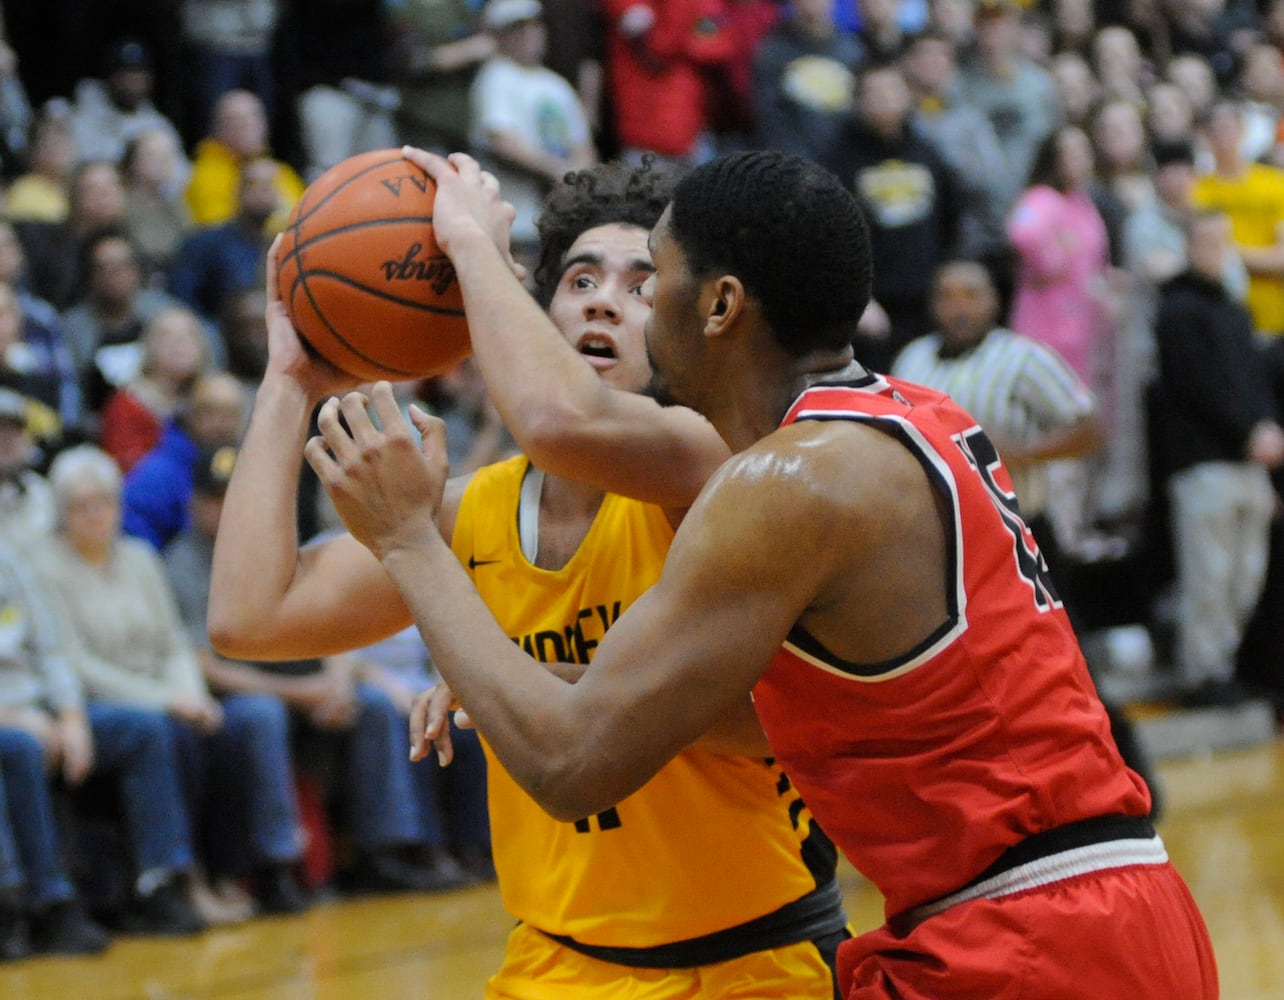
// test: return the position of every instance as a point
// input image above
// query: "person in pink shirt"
(1062, 253)
(1062, 298)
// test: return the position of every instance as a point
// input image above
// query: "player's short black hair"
(790, 231)
(602, 195)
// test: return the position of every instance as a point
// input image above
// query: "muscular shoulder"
(819, 484)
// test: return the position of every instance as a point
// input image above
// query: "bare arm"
(563, 416)
(268, 599)
(1074, 440)
(516, 150)
(580, 747)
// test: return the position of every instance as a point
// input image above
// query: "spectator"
(1122, 151)
(35, 362)
(1155, 234)
(1078, 90)
(26, 500)
(1193, 77)
(804, 79)
(1062, 296)
(1170, 115)
(1218, 437)
(1018, 96)
(1063, 253)
(239, 134)
(1261, 82)
(527, 121)
(15, 114)
(267, 822)
(1252, 196)
(659, 56)
(228, 47)
(1073, 25)
(129, 647)
(437, 51)
(244, 333)
(55, 252)
(909, 196)
(965, 139)
(155, 213)
(109, 113)
(158, 488)
(175, 352)
(41, 694)
(955, 19)
(880, 32)
(42, 728)
(40, 193)
(1119, 65)
(336, 717)
(103, 329)
(216, 261)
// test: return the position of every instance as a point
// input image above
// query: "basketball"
(362, 277)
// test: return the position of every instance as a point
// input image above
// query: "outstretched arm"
(562, 414)
(680, 660)
(268, 599)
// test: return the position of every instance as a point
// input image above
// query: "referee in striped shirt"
(1032, 405)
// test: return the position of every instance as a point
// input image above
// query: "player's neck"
(758, 396)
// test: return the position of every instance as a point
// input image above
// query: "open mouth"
(597, 349)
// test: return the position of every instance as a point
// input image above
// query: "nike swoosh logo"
(474, 563)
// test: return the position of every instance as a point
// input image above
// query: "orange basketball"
(362, 277)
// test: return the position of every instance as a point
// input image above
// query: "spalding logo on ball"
(362, 277)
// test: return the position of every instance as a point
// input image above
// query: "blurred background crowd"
(1077, 211)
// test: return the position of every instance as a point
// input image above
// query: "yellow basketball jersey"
(710, 843)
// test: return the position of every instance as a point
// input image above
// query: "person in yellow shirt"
(712, 881)
(1251, 195)
(240, 131)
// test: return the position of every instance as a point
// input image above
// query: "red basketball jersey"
(923, 769)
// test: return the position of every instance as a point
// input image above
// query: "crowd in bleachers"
(1116, 171)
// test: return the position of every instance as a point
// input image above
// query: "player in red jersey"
(861, 565)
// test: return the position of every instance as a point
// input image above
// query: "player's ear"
(724, 300)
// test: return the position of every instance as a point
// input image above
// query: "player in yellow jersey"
(711, 881)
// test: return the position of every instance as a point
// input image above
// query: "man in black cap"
(109, 112)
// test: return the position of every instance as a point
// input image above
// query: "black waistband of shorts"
(1037, 846)
(1097, 830)
(817, 914)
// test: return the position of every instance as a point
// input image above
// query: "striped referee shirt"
(1017, 389)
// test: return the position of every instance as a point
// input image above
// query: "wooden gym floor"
(1224, 828)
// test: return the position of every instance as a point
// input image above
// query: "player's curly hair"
(790, 231)
(601, 195)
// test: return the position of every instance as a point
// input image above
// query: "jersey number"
(1032, 567)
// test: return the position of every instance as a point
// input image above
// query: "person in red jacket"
(659, 56)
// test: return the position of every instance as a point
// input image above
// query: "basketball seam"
(320, 314)
(301, 278)
(349, 226)
(304, 213)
